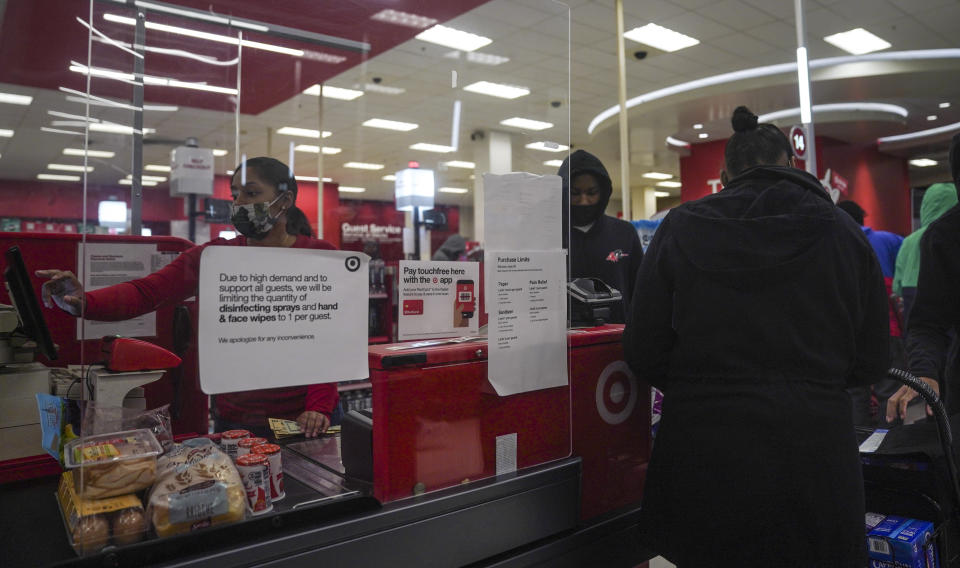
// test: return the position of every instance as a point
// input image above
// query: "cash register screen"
(17, 280)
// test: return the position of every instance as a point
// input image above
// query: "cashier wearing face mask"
(264, 197)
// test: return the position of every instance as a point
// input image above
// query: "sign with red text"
(438, 299)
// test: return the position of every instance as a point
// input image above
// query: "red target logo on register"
(412, 307)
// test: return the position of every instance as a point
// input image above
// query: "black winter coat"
(753, 310)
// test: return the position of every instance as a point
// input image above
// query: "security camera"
(641, 54)
(377, 80)
(476, 135)
(555, 104)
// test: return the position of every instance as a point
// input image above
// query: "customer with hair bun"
(755, 308)
(264, 197)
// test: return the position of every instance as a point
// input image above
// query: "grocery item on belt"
(94, 523)
(113, 464)
(197, 486)
(245, 445)
(230, 439)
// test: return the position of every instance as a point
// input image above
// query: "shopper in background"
(754, 309)
(932, 328)
(600, 246)
(886, 245)
(937, 200)
(261, 209)
(452, 249)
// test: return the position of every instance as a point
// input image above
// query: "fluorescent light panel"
(454, 38)
(383, 89)
(453, 190)
(145, 183)
(330, 92)
(660, 37)
(219, 152)
(92, 153)
(363, 166)
(304, 132)
(657, 175)
(923, 162)
(112, 128)
(498, 90)
(403, 19)
(857, 41)
(931, 117)
(669, 184)
(389, 177)
(944, 105)
(553, 163)
(478, 58)
(390, 124)
(311, 178)
(661, 194)
(57, 177)
(349, 189)
(425, 147)
(460, 164)
(156, 168)
(148, 178)
(698, 126)
(328, 150)
(13, 99)
(526, 123)
(703, 135)
(6, 133)
(69, 167)
(547, 146)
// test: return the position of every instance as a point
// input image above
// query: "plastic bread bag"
(102, 419)
(197, 486)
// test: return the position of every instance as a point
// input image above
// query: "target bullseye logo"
(352, 263)
(616, 394)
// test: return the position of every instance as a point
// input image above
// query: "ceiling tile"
(735, 14)
(943, 20)
(782, 10)
(778, 34)
(862, 13)
(741, 44)
(697, 26)
(517, 15)
(652, 10)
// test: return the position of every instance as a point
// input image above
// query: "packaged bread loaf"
(197, 486)
(113, 464)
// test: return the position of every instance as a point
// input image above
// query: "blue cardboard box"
(896, 542)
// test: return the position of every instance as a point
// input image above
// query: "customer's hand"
(897, 405)
(313, 423)
(63, 289)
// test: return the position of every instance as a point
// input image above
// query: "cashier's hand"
(897, 405)
(63, 289)
(313, 423)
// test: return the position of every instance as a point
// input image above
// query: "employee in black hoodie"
(932, 344)
(755, 308)
(600, 246)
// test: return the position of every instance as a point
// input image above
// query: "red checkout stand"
(436, 498)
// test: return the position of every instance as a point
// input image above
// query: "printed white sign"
(528, 320)
(105, 264)
(272, 317)
(522, 211)
(438, 299)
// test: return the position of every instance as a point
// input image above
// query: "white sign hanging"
(277, 317)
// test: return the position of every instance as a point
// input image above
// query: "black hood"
(768, 221)
(955, 161)
(581, 162)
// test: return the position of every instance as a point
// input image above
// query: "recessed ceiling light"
(58, 177)
(497, 90)
(478, 58)
(148, 79)
(657, 175)
(390, 124)
(113, 128)
(91, 153)
(931, 117)
(145, 183)
(311, 178)
(229, 172)
(703, 135)
(553, 163)
(456, 39)
(461, 164)
(383, 89)
(156, 168)
(161, 108)
(453, 190)
(148, 178)
(60, 131)
(389, 177)
(547, 146)
(697, 126)
(328, 150)
(923, 162)
(334, 92)
(349, 189)
(944, 105)
(69, 167)
(363, 166)
(304, 132)
(857, 41)
(403, 19)
(205, 35)
(218, 152)
(526, 123)
(660, 37)
(661, 194)
(13, 99)
(669, 184)
(438, 148)
(6, 133)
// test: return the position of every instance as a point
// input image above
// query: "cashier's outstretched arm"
(313, 423)
(63, 289)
